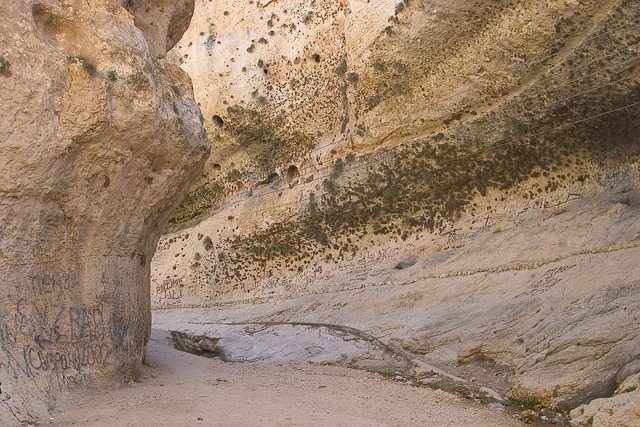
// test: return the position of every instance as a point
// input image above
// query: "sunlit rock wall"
(99, 140)
(338, 124)
(354, 136)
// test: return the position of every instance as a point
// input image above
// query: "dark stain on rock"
(5, 67)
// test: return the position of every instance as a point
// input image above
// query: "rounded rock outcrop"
(99, 140)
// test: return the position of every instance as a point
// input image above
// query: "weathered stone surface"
(98, 141)
(496, 143)
(306, 84)
(162, 22)
(528, 416)
(558, 312)
(621, 410)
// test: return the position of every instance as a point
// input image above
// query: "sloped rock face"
(98, 140)
(493, 93)
(621, 410)
(546, 301)
(340, 125)
(354, 136)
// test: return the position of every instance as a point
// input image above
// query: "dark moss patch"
(269, 143)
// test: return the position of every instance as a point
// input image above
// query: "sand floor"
(180, 389)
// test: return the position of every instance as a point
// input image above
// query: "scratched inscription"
(548, 280)
(43, 333)
(170, 291)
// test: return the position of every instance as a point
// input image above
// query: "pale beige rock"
(162, 22)
(496, 143)
(305, 83)
(621, 410)
(98, 142)
(628, 370)
(556, 315)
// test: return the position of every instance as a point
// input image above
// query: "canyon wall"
(361, 144)
(99, 140)
(500, 91)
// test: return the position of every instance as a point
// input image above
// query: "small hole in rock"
(217, 120)
(292, 172)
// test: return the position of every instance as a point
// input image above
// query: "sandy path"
(185, 390)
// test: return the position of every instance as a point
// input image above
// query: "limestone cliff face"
(474, 86)
(98, 140)
(341, 124)
(353, 135)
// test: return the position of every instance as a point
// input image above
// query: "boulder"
(621, 410)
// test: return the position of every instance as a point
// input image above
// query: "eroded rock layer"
(98, 140)
(492, 93)
(358, 142)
